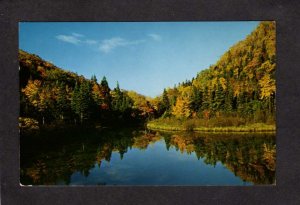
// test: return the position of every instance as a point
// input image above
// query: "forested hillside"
(240, 84)
(240, 87)
(49, 94)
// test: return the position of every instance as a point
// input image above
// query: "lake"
(80, 156)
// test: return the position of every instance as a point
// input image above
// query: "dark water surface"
(143, 157)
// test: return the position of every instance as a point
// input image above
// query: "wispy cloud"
(108, 45)
(69, 39)
(155, 37)
(76, 38)
(90, 42)
(77, 35)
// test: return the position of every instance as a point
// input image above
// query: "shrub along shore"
(210, 125)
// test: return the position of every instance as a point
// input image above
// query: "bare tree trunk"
(43, 120)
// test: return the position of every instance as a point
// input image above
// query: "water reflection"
(143, 157)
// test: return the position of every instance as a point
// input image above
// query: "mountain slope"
(242, 82)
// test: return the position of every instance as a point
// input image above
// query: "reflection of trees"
(54, 160)
(250, 157)
(78, 152)
(144, 139)
(182, 143)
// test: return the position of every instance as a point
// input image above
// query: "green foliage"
(196, 99)
(104, 82)
(62, 101)
(121, 101)
(165, 101)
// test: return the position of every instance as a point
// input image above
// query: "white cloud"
(109, 44)
(77, 35)
(76, 38)
(90, 41)
(104, 46)
(68, 39)
(155, 37)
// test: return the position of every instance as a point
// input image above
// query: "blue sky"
(143, 56)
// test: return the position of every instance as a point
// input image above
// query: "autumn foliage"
(241, 84)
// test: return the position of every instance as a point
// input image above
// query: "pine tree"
(104, 82)
(105, 94)
(219, 99)
(94, 79)
(117, 99)
(206, 100)
(228, 107)
(75, 100)
(165, 102)
(62, 102)
(85, 100)
(196, 99)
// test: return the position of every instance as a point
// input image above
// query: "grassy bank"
(211, 125)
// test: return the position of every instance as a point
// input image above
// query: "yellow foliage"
(31, 91)
(268, 67)
(236, 89)
(37, 96)
(186, 91)
(223, 83)
(267, 86)
(43, 103)
(269, 156)
(214, 82)
(181, 108)
(28, 123)
(96, 91)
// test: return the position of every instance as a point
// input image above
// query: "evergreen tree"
(117, 100)
(228, 107)
(165, 101)
(75, 100)
(219, 99)
(196, 99)
(82, 100)
(105, 94)
(104, 82)
(94, 79)
(206, 99)
(62, 102)
(85, 100)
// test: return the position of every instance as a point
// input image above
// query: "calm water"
(141, 157)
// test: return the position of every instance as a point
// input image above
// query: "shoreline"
(249, 128)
